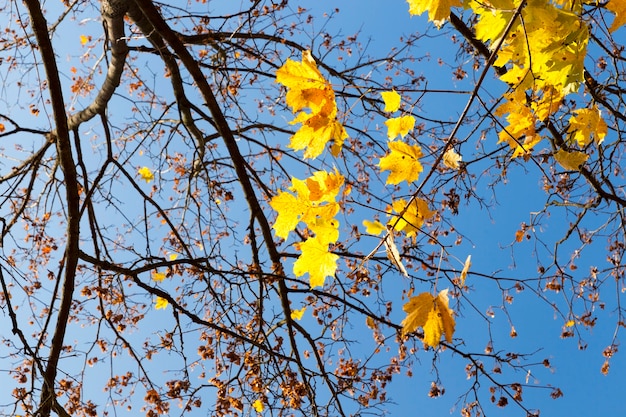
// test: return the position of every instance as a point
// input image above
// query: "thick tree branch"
(66, 161)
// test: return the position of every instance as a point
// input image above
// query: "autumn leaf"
(586, 126)
(307, 88)
(451, 159)
(393, 254)
(158, 276)
(84, 39)
(618, 7)
(465, 270)
(413, 218)
(571, 161)
(392, 100)
(297, 314)
(374, 228)
(313, 202)
(438, 10)
(146, 174)
(161, 303)
(316, 260)
(403, 162)
(399, 126)
(432, 314)
(2, 128)
(258, 405)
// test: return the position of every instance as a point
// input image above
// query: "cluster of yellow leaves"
(403, 159)
(307, 88)
(432, 314)
(312, 202)
(545, 52)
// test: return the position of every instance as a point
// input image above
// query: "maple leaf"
(316, 260)
(587, 125)
(374, 228)
(307, 203)
(571, 161)
(326, 231)
(432, 314)
(403, 162)
(84, 39)
(399, 126)
(438, 10)
(307, 88)
(161, 303)
(146, 174)
(413, 218)
(451, 159)
(392, 100)
(618, 7)
(297, 314)
(158, 276)
(290, 209)
(317, 130)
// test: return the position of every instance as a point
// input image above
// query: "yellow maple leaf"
(297, 314)
(392, 100)
(290, 209)
(258, 405)
(326, 230)
(413, 218)
(432, 314)
(438, 10)
(570, 160)
(161, 303)
(307, 88)
(158, 276)
(324, 186)
(618, 7)
(403, 162)
(301, 76)
(316, 260)
(84, 39)
(146, 174)
(374, 228)
(587, 125)
(399, 126)
(316, 131)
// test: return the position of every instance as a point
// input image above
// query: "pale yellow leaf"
(394, 255)
(466, 267)
(451, 159)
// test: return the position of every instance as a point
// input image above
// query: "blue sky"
(491, 232)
